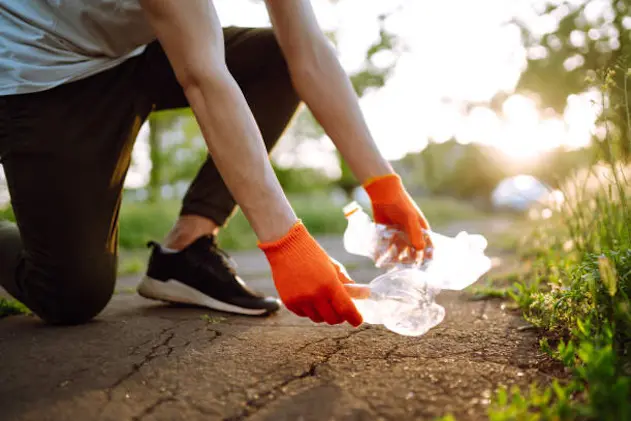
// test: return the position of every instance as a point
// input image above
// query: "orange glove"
(308, 281)
(393, 206)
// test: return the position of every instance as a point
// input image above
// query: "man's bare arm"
(324, 86)
(191, 35)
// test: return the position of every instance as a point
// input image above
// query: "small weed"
(447, 417)
(578, 294)
(9, 307)
(553, 402)
(487, 292)
(213, 320)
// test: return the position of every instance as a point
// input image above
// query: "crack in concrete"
(199, 409)
(281, 366)
(258, 403)
(217, 333)
(308, 344)
(339, 346)
(252, 406)
(135, 368)
(389, 352)
(136, 348)
(169, 334)
(152, 408)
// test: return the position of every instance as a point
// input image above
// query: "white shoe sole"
(174, 291)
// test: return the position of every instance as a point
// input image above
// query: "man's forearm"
(326, 89)
(237, 149)
(190, 33)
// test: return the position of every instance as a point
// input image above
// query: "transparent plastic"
(402, 301)
(385, 246)
(403, 298)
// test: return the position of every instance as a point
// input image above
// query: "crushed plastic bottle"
(457, 262)
(402, 301)
(387, 247)
(403, 298)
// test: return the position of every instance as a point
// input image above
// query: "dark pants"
(66, 152)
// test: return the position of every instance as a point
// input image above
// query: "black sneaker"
(201, 275)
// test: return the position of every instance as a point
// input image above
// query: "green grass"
(132, 262)
(141, 222)
(577, 294)
(213, 320)
(10, 307)
(448, 417)
(489, 291)
(7, 214)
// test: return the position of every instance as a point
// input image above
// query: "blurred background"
(483, 107)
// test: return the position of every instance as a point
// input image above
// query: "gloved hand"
(393, 206)
(309, 282)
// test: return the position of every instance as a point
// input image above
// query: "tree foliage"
(177, 150)
(469, 171)
(588, 36)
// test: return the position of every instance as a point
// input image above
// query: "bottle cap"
(351, 208)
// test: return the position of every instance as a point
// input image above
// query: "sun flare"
(521, 132)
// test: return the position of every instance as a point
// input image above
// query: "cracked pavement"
(142, 360)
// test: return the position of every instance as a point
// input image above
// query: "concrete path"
(142, 360)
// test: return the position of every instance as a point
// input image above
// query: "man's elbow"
(312, 61)
(203, 77)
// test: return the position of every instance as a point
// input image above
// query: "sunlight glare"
(580, 117)
(481, 125)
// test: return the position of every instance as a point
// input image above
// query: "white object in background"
(520, 192)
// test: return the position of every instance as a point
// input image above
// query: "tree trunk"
(619, 62)
(155, 156)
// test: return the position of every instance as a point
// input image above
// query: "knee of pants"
(270, 53)
(276, 85)
(70, 295)
(272, 50)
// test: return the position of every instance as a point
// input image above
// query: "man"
(78, 78)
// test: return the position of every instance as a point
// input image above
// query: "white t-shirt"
(46, 43)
